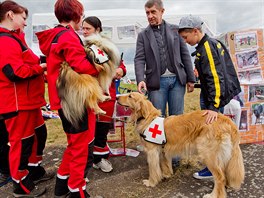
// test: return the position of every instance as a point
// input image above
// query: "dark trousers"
(4, 149)
(101, 149)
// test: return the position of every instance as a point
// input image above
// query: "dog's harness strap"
(142, 135)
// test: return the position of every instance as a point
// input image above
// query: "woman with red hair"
(60, 44)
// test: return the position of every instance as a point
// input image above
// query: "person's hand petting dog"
(211, 116)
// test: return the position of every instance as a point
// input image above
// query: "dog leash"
(121, 120)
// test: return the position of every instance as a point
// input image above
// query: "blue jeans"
(171, 92)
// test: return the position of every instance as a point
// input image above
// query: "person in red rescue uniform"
(21, 96)
(59, 44)
(92, 25)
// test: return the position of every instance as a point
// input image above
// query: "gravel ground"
(125, 181)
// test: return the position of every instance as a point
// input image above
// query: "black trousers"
(4, 149)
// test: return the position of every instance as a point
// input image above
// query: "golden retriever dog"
(216, 144)
(80, 91)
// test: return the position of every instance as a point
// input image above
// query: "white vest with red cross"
(100, 56)
(155, 132)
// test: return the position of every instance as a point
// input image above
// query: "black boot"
(61, 188)
(78, 194)
(26, 188)
(38, 174)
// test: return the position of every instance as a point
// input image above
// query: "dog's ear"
(145, 107)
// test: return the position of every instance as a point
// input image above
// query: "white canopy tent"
(121, 26)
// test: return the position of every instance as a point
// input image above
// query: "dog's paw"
(208, 196)
(107, 98)
(147, 183)
(167, 175)
(101, 112)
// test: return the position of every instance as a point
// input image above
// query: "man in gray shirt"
(163, 64)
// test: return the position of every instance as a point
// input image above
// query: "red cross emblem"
(155, 131)
(100, 52)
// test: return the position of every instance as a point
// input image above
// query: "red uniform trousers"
(21, 129)
(75, 157)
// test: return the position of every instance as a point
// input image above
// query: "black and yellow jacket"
(217, 74)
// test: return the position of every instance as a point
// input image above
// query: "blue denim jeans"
(171, 92)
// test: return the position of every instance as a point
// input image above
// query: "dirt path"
(126, 179)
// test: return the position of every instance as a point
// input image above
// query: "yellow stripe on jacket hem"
(215, 76)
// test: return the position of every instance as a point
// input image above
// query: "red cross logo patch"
(155, 131)
(100, 52)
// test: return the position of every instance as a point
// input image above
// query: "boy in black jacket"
(217, 74)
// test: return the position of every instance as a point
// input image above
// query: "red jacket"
(68, 48)
(21, 79)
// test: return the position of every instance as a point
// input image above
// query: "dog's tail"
(235, 171)
(72, 94)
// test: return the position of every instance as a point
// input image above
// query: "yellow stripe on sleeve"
(215, 76)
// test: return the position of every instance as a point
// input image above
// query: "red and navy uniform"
(21, 96)
(68, 47)
(103, 124)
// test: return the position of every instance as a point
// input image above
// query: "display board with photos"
(247, 51)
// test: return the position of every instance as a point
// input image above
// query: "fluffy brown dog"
(107, 68)
(217, 144)
(79, 91)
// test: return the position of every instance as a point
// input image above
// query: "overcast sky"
(230, 14)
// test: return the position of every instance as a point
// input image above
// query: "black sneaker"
(4, 179)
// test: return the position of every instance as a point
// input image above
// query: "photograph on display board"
(243, 125)
(126, 32)
(224, 39)
(247, 59)
(255, 93)
(253, 76)
(245, 40)
(257, 113)
(240, 97)
(107, 32)
(38, 28)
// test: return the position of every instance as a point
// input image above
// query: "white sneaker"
(104, 165)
